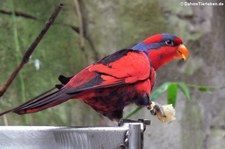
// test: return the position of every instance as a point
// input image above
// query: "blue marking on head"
(167, 36)
(145, 47)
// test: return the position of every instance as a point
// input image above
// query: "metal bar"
(134, 138)
(49, 137)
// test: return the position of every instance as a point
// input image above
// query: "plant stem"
(18, 55)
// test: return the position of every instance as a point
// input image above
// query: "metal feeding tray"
(128, 135)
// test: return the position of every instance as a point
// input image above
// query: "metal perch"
(129, 135)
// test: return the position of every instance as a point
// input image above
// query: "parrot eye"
(169, 42)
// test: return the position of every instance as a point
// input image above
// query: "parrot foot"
(165, 113)
(156, 109)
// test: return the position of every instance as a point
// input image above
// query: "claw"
(159, 109)
(153, 111)
(164, 113)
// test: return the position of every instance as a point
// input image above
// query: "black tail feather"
(64, 80)
(41, 102)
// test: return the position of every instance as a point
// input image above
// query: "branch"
(81, 26)
(31, 17)
(30, 50)
(83, 33)
(18, 14)
(74, 28)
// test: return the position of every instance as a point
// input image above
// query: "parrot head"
(162, 48)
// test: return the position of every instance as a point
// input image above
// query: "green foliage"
(185, 89)
(205, 88)
(172, 89)
(156, 93)
(172, 94)
(58, 53)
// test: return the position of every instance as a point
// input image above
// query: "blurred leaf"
(156, 93)
(172, 94)
(203, 88)
(172, 88)
(133, 111)
(185, 90)
(206, 88)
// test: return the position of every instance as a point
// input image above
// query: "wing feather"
(124, 67)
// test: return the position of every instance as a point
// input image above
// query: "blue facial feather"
(167, 36)
(145, 47)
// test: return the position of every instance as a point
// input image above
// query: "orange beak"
(182, 52)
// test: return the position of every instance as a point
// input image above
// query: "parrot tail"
(41, 103)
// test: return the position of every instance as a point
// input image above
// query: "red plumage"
(110, 84)
(107, 86)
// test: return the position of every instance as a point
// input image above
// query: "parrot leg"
(114, 115)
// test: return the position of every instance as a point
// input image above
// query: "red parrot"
(115, 81)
